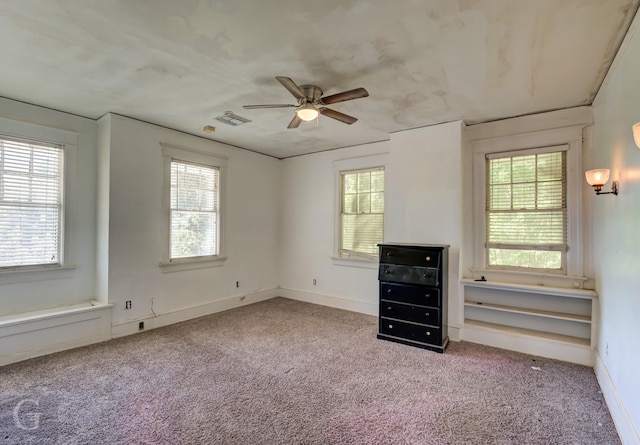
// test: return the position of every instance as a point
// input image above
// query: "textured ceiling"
(182, 63)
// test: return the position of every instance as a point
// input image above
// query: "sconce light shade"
(307, 112)
(636, 134)
(599, 177)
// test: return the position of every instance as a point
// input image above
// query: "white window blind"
(526, 209)
(194, 213)
(361, 212)
(31, 203)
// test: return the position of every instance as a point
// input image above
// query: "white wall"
(251, 222)
(422, 205)
(32, 291)
(307, 233)
(616, 237)
(424, 196)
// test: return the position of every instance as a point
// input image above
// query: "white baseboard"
(131, 326)
(363, 307)
(626, 429)
(528, 344)
(37, 333)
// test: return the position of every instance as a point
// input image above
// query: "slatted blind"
(194, 212)
(31, 203)
(527, 209)
(361, 212)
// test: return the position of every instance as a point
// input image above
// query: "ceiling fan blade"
(345, 95)
(253, 107)
(338, 116)
(291, 86)
(295, 122)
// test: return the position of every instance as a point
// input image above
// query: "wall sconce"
(599, 177)
(636, 133)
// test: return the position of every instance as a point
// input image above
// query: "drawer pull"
(389, 308)
(428, 333)
(427, 314)
(428, 258)
(390, 326)
(427, 296)
(388, 291)
(387, 271)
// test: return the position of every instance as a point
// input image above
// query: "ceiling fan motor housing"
(312, 92)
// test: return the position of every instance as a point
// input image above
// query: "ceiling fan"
(310, 102)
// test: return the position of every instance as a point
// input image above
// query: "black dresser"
(413, 294)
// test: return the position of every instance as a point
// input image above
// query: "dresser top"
(441, 246)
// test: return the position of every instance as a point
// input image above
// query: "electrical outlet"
(127, 304)
(314, 281)
(141, 326)
(237, 284)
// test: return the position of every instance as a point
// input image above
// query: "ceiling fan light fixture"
(307, 112)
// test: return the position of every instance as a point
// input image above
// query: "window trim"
(539, 140)
(68, 140)
(378, 160)
(172, 152)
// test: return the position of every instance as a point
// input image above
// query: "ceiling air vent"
(232, 119)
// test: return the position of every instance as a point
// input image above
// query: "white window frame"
(527, 152)
(571, 137)
(187, 155)
(378, 160)
(68, 140)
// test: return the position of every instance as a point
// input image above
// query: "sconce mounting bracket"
(614, 189)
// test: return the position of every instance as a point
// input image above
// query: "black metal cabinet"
(413, 294)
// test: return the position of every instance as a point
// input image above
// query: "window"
(527, 192)
(193, 210)
(361, 212)
(31, 203)
(526, 210)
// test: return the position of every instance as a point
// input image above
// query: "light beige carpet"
(286, 372)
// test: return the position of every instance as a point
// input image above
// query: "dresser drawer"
(410, 294)
(410, 256)
(425, 276)
(410, 312)
(410, 331)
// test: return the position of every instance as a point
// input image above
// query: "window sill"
(23, 275)
(178, 266)
(355, 262)
(530, 278)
